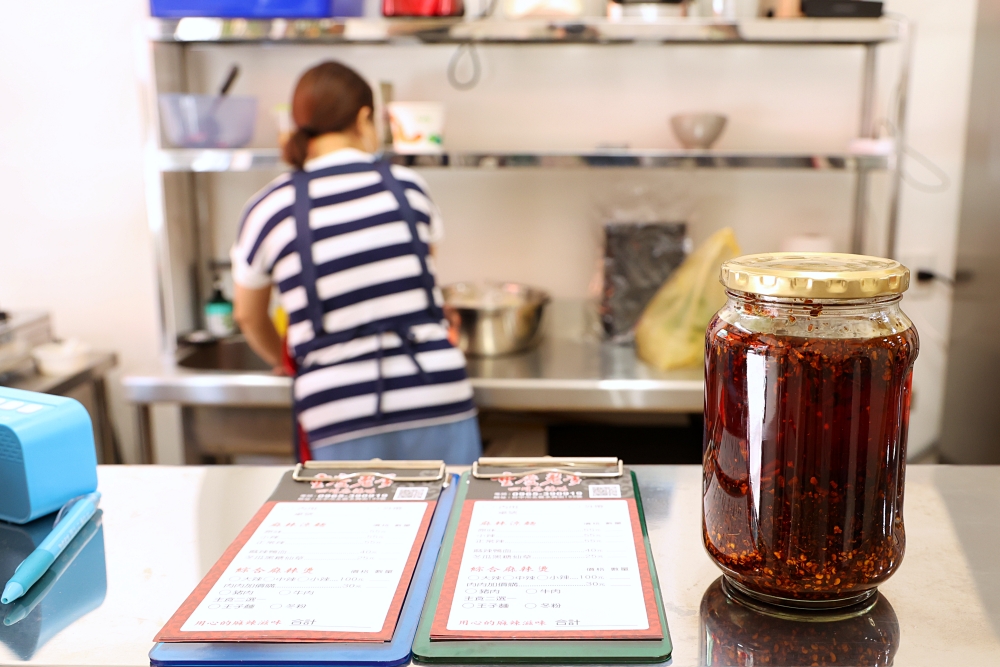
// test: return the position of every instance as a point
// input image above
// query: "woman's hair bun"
(327, 98)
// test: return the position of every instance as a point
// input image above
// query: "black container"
(638, 259)
(842, 9)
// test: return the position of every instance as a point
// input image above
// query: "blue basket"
(259, 9)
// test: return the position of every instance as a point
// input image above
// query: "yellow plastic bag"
(671, 332)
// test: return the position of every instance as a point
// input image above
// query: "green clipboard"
(537, 651)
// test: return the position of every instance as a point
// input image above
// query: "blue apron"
(402, 325)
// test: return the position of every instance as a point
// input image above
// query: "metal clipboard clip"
(374, 467)
(587, 467)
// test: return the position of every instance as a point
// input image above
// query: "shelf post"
(860, 212)
(898, 116)
(866, 130)
(867, 121)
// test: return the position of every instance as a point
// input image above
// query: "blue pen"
(39, 561)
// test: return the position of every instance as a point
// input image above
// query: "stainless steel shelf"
(692, 30)
(201, 160)
(584, 30)
(319, 31)
(217, 159)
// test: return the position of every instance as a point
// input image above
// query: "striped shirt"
(368, 279)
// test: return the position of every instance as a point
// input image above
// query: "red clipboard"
(333, 492)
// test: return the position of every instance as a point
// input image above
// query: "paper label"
(548, 569)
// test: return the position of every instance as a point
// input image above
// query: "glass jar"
(808, 370)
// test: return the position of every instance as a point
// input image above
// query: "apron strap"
(314, 306)
(303, 244)
(406, 344)
(419, 249)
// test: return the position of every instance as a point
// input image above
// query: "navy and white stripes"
(368, 280)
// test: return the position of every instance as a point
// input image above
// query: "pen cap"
(47, 454)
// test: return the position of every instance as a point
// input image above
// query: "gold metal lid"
(815, 275)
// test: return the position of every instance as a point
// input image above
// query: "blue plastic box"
(47, 454)
(258, 9)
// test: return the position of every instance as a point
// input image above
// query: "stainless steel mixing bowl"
(495, 318)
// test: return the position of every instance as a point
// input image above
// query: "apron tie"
(406, 341)
(379, 379)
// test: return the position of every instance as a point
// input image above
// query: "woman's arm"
(250, 308)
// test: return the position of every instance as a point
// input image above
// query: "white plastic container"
(208, 121)
(63, 358)
(417, 127)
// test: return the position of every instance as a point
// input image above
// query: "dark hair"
(327, 98)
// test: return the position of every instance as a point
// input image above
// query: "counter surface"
(570, 370)
(163, 527)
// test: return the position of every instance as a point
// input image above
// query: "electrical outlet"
(915, 262)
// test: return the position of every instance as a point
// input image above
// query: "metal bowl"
(698, 130)
(495, 318)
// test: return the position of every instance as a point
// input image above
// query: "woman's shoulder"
(279, 187)
(407, 175)
(272, 200)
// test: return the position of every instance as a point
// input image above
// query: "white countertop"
(163, 527)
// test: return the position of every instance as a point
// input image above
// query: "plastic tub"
(416, 127)
(208, 121)
(65, 358)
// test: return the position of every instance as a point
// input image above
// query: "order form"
(327, 561)
(549, 568)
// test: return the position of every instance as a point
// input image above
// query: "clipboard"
(396, 651)
(535, 648)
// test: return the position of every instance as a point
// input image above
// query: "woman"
(346, 239)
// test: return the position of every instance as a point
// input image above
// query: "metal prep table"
(165, 526)
(570, 371)
(90, 379)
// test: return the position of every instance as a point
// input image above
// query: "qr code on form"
(411, 493)
(605, 490)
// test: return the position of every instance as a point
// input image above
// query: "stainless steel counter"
(209, 387)
(165, 526)
(572, 370)
(98, 365)
(92, 377)
(561, 374)
(570, 374)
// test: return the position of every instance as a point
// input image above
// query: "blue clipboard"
(380, 654)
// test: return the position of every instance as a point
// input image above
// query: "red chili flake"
(835, 424)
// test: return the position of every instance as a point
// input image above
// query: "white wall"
(939, 102)
(971, 421)
(80, 189)
(73, 224)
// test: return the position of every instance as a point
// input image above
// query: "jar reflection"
(734, 635)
